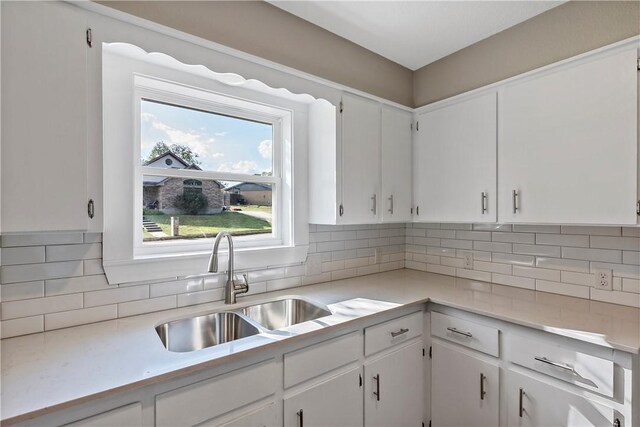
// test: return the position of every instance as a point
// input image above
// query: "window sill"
(174, 265)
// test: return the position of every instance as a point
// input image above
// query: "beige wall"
(264, 30)
(562, 32)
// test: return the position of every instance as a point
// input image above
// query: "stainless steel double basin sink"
(207, 330)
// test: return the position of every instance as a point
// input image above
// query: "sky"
(224, 144)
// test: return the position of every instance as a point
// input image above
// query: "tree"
(191, 203)
(181, 150)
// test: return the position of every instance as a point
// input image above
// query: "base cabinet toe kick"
(428, 365)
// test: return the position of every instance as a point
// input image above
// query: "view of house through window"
(179, 206)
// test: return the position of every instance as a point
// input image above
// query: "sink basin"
(204, 331)
(285, 312)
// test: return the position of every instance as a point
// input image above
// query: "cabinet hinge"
(341, 210)
(89, 38)
(430, 352)
(91, 209)
(360, 375)
(341, 107)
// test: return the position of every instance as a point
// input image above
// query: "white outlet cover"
(314, 264)
(603, 279)
(468, 260)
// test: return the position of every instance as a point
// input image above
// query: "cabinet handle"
(556, 364)
(377, 392)
(341, 210)
(300, 418)
(516, 201)
(391, 204)
(455, 331)
(521, 409)
(617, 423)
(418, 210)
(482, 392)
(375, 203)
(484, 202)
(402, 331)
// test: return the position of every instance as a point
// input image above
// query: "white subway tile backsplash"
(474, 235)
(513, 237)
(278, 284)
(176, 287)
(536, 273)
(22, 290)
(574, 240)
(552, 229)
(563, 264)
(133, 308)
(443, 252)
(442, 234)
(552, 251)
(200, 297)
(43, 271)
(493, 247)
(93, 266)
(629, 257)
(73, 252)
(492, 267)
(603, 255)
(593, 231)
(473, 274)
(32, 307)
(441, 269)
(39, 239)
(631, 285)
(83, 316)
(631, 231)
(492, 227)
(22, 255)
(577, 278)
(622, 298)
(116, 295)
(457, 244)
(513, 259)
(562, 288)
(606, 242)
(73, 285)
(21, 326)
(519, 282)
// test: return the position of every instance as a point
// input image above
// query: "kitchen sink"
(204, 331)
(285, 312)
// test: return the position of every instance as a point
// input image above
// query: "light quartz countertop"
(49, 371)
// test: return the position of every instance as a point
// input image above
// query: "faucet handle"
(243, 286)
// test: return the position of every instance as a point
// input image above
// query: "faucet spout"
(232, 288)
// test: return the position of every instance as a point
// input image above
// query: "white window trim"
(120, 262)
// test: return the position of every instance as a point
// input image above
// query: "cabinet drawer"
(129, 415)
(584, 370)
(207, 399)
(388, 334)
(309, 362)
(469, 334)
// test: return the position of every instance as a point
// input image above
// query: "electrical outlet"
(314, 265)
(603, 280)
(468, 260)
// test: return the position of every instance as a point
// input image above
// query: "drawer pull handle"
(521, 409)
(455, 331)
(567, 368)
(402, 331)
(616, 423)
(556, 364)
(300, 418)
(482, 392)
(377, 392)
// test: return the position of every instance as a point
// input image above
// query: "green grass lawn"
(194, 226)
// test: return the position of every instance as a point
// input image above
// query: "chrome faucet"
(232, 288)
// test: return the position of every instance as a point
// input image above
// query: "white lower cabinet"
(262, 417)
(465, 390)
(129, 415)
(334, 402)
(532, 402)
(394, 388)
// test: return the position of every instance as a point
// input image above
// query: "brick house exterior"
(160, 192)
(251, 193)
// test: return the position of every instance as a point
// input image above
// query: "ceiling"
(415, 33)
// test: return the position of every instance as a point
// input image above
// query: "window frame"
(151, 89)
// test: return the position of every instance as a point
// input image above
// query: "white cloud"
(199, 142)
(265, 148)
(221, 133)
(217, 155)
(247, 167)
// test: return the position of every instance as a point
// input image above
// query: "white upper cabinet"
(455, 162)
(395, 204)
(44, 117)
(568, 143)
(360, 160)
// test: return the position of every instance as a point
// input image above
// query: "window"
(207, 164)
(203, 175)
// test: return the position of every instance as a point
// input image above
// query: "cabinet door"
(393, 388)
(456, 162)
(396, 165)
(465, 390)
(545, 405)
(44, 117)
(360, 160)
(335, 402)
(569, 143)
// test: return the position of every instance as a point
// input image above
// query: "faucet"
(232, 288)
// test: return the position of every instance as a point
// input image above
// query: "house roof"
(179, 159)
(249, 186)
